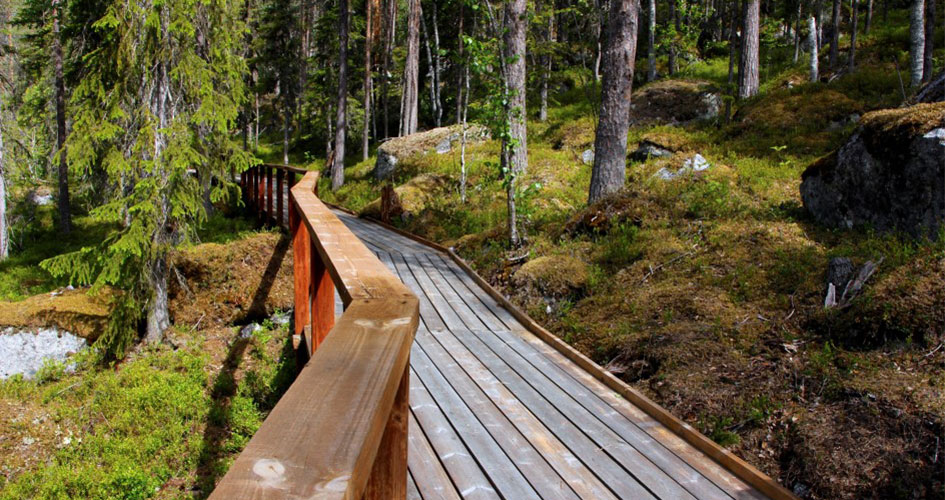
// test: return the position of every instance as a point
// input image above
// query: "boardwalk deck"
(498, 413)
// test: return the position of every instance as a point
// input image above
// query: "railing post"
(268, 194)
(323, 299)
(255, 186)
(389, 474)
(301, 247)
(280, 194)
(260, 191)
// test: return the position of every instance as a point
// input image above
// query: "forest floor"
(706, 292)
(167, 421)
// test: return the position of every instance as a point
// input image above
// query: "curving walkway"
(498, 413)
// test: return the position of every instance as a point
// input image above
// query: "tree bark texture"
(610, 141)
(917, 41)
(651, 41)
(515, 25)
(851, 59)
(812, 40)
(928, 71)
(368, 81)
(835, 36)
(408, 118)
(341, 119)
(65, 212)
(748, 79)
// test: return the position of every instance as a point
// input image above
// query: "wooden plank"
(589, 452)
(280, 196)
(361, 227)
(502, 472)
(458, 461)
(269, 213)
(412, 492)
(388, 478)
(302, 274)
(423, 463)
(644, 443)
(428, 315)
(322, 299)
(473, 381)
(726, 458)
(321, 439)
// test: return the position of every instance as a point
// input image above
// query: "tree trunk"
(516, 146)
(748, 79)
(797, 32)
(651, 41)
(341, 118)
(547, 60)
(610, 141)
(673, 18)
(819, 17)
(65, 213)
(437, 68)
(917, 41)
(431, 70)
(462, 151)
(158, 315)
(462, 66)
(408, 118)
(389, 29)
(835, 36)
(812, 40)
(286, 112)
(851, 60)
(869, 17)
(928, 70)
(368, 86)
(4, 234)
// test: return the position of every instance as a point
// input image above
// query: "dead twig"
(934, 350)
(667, 263)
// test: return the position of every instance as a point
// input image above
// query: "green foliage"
(717, 429)
(620, 246)
(154, 104)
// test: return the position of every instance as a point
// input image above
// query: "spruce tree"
(147, 93)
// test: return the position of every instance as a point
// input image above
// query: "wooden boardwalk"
(495, 412)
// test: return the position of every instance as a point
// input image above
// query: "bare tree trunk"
(928, 70)
(437, 67)
(851, 60)
(389, 32)
(431, 71)
(748, 79)
(4, 234)
(368, 86)
(286, 120)
(65, 213)
(598, 34)
(869, 17)
(835, 36)
(812, 40)
(673, 18)
(408, 118)
(651, 41)
(819, 15)
(917, 41)
(610, 141)
(797, 32)
(546, 67)
(462, 62)
(516, 146)
(462, 150)
(341, 118)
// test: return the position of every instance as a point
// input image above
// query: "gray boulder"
(890, 175)
(440, 140)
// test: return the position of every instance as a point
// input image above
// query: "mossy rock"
(441, 140)
(572, 135)
(553, 275)
(675, 101)
(75, 311)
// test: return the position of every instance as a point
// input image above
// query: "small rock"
(248, 330)
(27, 441)
(282, 318)
(445, 146)
(648, 149)
(587, 156)
(801, 490)
(697, 163)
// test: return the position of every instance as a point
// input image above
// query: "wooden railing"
(340, 431)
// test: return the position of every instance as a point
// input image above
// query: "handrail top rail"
(322, 437)
(288, 168)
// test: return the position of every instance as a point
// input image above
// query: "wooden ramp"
(495, 412)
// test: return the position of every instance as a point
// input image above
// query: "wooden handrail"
(340, 431)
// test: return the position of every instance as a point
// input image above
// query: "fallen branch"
(663, 265)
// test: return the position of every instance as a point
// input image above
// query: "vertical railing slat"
(280, 193)
(269, 213)
(323, 299)
(301, 248)
(389, 474)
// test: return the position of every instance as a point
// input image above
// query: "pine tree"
(610, 142)
(748, 77)
(147, 92)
